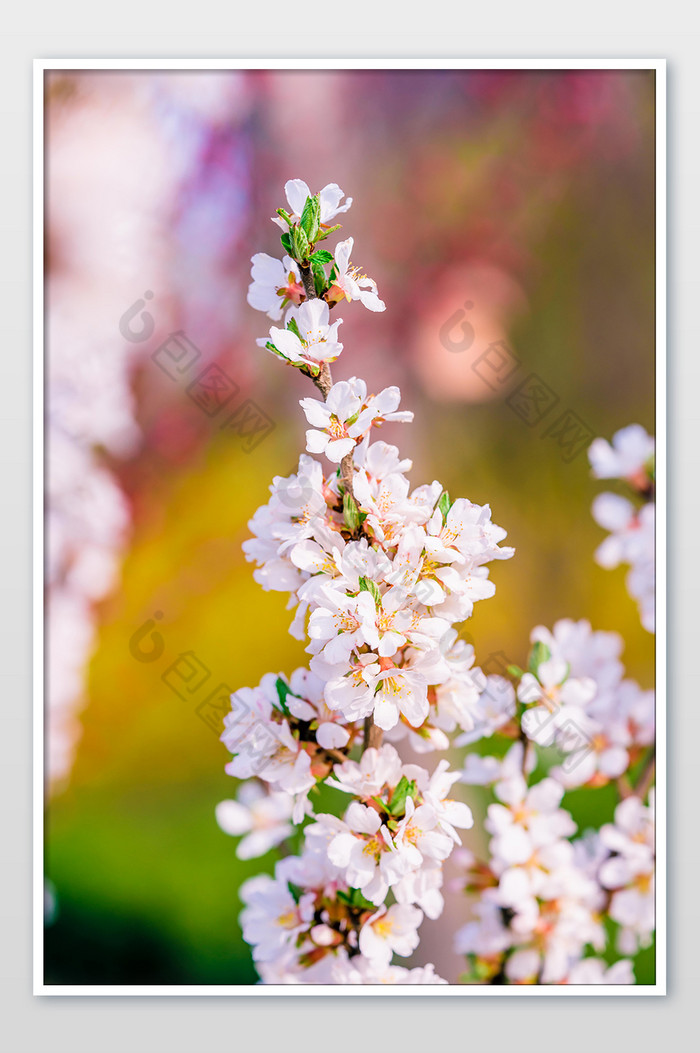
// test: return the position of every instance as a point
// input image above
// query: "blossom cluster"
(630, 458)
(379, 575)
(576, 699)
(544, 894)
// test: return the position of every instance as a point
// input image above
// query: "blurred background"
(508, 218)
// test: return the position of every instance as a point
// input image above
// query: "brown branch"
(346, 473)
(372, 735)
(336, 755)
(647, 776)
(324, 380)
(307, 279)
(623, 787)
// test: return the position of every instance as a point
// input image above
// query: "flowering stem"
(324, 380)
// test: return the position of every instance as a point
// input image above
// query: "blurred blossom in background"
(508, 218)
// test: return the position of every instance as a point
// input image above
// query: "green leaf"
(516, 671)
(351, 514)
(404, 789)
(292, 324)
(354, 898)
(324, 233)
(311, 217)
(321, 256)
(287, 243)
(319, 276)
(540, 653)
(300, 244)
(283, 689)
(295, 891)
(367, 585)
(444, 504)
(286, 217)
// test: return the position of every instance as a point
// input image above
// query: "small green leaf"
(321, 256)
(650, 467)
(351, 514)
(516, 671)
(286, 242)
(444, 504)
(319, 276)
(286, 217)
(311, 217)
(324, 233)
(358, 900)
(404, 789)
(540, 653)
(283, 689)
(292, 324)
(367, 585)
(295, 891)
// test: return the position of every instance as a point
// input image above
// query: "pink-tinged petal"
(371, 301)
(342, 254)
(545, 795)
(299, 708)
(386, 714)
(339, 849)
(362, 819)
(458, 814)
(339, 448)
(297, 192)
(614, 761)
(233, 818)
(332, 736)
(316, 441)
(317, 414)
(414, 705)
(287, 343)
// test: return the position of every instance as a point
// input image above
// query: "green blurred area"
(146, 883)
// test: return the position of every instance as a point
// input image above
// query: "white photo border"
(41, 67)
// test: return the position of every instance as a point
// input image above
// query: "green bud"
(404, 789)
(300, 244)
(540, 653)
(319, 276)
(311, 217)
(351, 515)
(444, 504)
(367, 585)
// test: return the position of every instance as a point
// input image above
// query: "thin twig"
(647, 776)
(324, 380)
